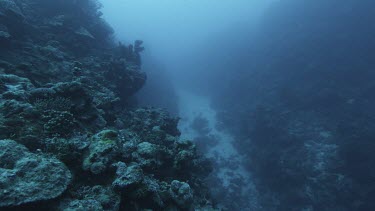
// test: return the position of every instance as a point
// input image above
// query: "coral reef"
(72, 138)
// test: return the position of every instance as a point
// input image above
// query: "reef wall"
(301, 109)
(71, 136)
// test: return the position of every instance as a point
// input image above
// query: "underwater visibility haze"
(242, 105)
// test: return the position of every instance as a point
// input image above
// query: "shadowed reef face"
(301, 115)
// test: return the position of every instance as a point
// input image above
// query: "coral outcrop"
(27, 177)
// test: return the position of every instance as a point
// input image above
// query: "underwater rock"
(16, 87)
(128, 177)
(67, 150)
(102, 152)
(147, 149)
(81, 205)
(80, 102)
(9, 9)
(57, 21)
(12, 114)
(61, 123)
(26, 177)
(84, 33)
(127, 79)
(152, 123)
(151, 156)
(52, 52)
(181, 193)
(102, 198)
(4, 33)
(186, 151)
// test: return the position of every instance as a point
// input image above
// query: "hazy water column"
(175, 32)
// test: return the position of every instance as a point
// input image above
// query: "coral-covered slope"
(70, 138)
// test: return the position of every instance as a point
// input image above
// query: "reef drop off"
(71, 136)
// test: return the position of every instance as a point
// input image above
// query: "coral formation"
(72, 137)
(27, 177)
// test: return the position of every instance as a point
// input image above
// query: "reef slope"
(71, 137)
